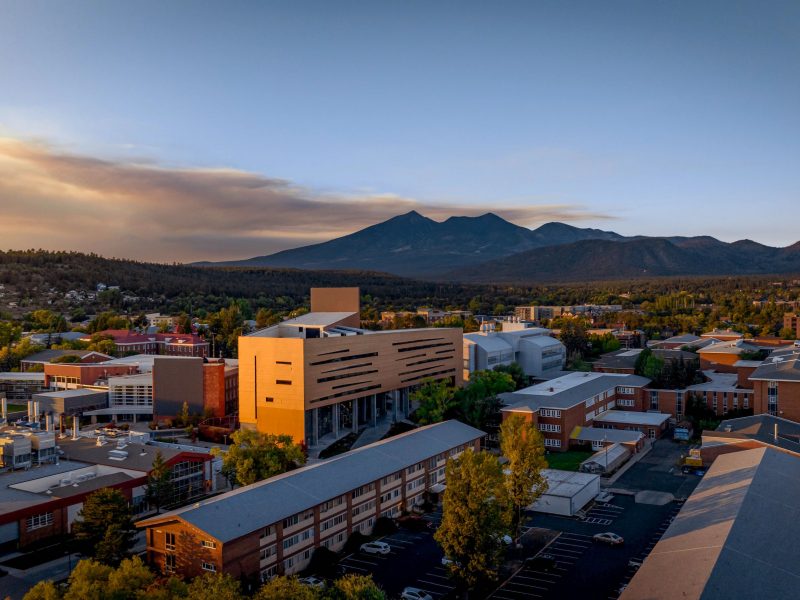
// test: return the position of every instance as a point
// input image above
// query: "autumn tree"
(253, 456)
(44, 590)
(104, 528)
(214, 586)
(523, 446)
(355, 587)
(285, 588)
(475, 516)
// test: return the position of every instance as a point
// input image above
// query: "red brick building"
(167, 344)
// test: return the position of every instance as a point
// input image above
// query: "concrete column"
(374, 407)
(315, 426)
(336, 420)
(395, 400)
(355, 416)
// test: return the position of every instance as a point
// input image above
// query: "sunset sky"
(191, 130)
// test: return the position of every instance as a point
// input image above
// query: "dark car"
(543, 562)
(413, 523)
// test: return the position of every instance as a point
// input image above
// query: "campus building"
(169, 344)
(20, 387)
(533, 348)
(776, 385)
(272, 527)
(746, 433)
(320, 376)
(733, 537)
(587, 408)
(40, 500)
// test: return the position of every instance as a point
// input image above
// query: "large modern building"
(320, 375)
(533, 348)
(734, 536)
(273, 526)
(20, 387)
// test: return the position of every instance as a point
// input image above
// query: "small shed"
(607, 460)
(567, 493)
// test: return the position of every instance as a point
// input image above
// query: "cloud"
(61, 201)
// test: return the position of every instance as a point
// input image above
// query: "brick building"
(273, 526)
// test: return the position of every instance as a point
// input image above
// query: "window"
(37, 521)
(625, 390)
(333, 522)
(269, 572)
(169, 563)
(209, 544)
(549, 412)
(625, 402)
(268, 551)
(269, 399)
(724, 403)
(735, 400)
(209, 567)
(746, 401)
(772, 398)
(268, 531)
(653, 399)
(287, 564)
(291, 521)
(363, 507)
(392, 478)
(331, 504)
(550, 427)
(552, 443)
(169, 541)
(714, 402)
(283, 382)
(364, 489)
(414, 468)
(411, 485)
(679, 405)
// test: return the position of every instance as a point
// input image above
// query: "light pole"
(605, 448)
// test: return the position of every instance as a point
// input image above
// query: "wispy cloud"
(56, 200)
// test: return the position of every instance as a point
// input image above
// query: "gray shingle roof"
(734, 537)
(780, 366)
(761, 428)
(247, 509)
(48, 355)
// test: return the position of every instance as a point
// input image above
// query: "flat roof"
(719, 382)
(490, 343)
(597, 434)
(140, 456)
(80, 392)
(632, 417)
(781, 365)
(23, 376)
(567, 484)
(249, 508)
(12, 499)
(734, 536)
(568, 390)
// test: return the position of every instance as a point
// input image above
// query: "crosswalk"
(532, 582)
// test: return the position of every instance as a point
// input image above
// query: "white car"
(412, 593)
(376, 548)
(448, 561)
(314, 582)
(608, 538)
(604, 497)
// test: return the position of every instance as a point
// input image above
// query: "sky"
(192, 130)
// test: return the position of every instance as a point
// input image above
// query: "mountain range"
(489, 249)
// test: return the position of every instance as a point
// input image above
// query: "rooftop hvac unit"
(117, 454)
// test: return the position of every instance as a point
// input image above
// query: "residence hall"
(321, 376)
(776, 385)
(168, 344)
(733, 538)
(272, 527)
(582, 403)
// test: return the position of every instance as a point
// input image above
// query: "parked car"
(542, 562)
(414, 523)
(412, 593)
(604, 497)
(635, 563)
(376, 548)
(608, 538)
(314, 582)
(448, 561)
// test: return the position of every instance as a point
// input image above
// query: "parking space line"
(572, 543)
(534, 579)
(577, 535)
(366, 562)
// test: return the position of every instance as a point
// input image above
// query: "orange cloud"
(54, 200)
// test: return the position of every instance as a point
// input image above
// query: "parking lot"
(415, 560)
(592, 570)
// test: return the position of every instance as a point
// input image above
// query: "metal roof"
(247, 509)
(779, 366)
(569, 390)
(567, 484)
(734, 537)
(23, 376)
(761, 428)
(490, 343)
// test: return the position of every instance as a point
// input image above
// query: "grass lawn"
(17, 407)
(567, 461)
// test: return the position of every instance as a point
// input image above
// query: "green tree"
(129, 579)
(523, 446)
(104, 528)
(213, 586)
(254, 456)
(159, 482)
(285, 588)
(356, 587)
(184, 324)
(573, 336)
(478, 404)
(44, 590)
(517, 374)
(475, 516)
(436, 401)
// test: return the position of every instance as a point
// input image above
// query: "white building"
(533, 348)
(567, 492)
